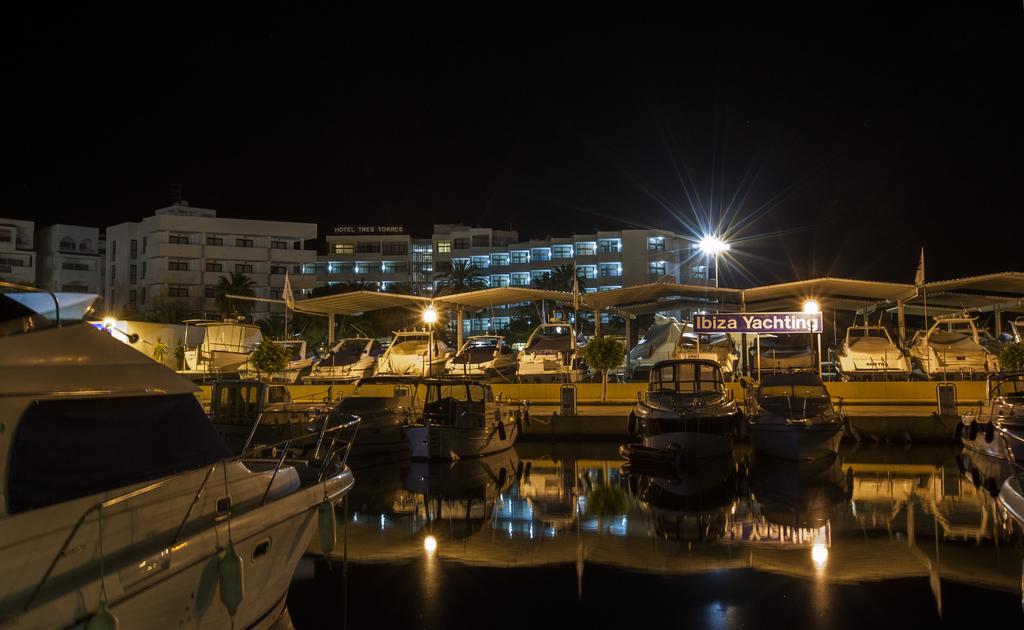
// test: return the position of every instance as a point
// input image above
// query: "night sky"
(831, 144)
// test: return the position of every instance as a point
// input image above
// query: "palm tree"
(461, 277)
(237, 283)
(168, 311)
(560, 279)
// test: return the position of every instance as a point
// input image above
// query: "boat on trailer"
(349, 360)
(484, 357)
(120, 502)
(869, 353)
(551, 355)
(463, 419)
(657, 344)
(223, 348)
(686, 411)
(415, 353)
(791, 416)
(955, 351)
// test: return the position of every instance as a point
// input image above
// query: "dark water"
(557, 536)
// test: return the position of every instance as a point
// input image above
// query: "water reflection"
(874, 515)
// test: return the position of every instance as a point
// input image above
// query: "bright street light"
(430, 315)
(811, 307)
(712, 245)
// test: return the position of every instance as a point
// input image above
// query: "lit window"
(561, 251)
(588, 248)
(520, 256)
(444, 247)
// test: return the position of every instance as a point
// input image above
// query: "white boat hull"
(796, 442)
(440, 442)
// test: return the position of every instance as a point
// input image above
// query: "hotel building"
(17, 254)
(71, 258)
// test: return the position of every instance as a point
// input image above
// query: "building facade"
(387, 257)
(17, 251)
(179, 254)
(71, 258)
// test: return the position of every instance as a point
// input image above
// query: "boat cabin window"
(278, 394)
(1012, 389)
(237, 400)
(470, 392)
(870, 333)
(687, 378)
(71, 448)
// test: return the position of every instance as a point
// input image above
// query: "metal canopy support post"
(458, 325)
(999, 320)
(819, 355)
(744, 359)
(597, 322)
(629, 340)
(758, 357)
(330, 329)
(901, 316)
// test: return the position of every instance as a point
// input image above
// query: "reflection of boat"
(799, 494)
(462, 419)
(550, 355)
(1001, 413)
(225, 346)
(298, 364)
(253, 412)
(117, 492)
(484, 356)
(466, 478)
(385, 404)
(782, 353)
(1011, 495)
(868, 352)
(657, 344)
(686, 410)
(955, 351)
(693, 505)
(984, 471)
(349, 360)
(791, 416)
(717, 347)
(415, 353)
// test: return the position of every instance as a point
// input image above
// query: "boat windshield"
(550, 338)
(687, 378)
(467, 392)
(868, 333)
(294, 348)
(412, 344)
(1011, 388)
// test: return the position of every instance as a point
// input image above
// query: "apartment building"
(71, 258)
(180, 253)
(383, 256)
(17, 251)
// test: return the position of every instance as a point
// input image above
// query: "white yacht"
(657, 344)
(349, 360)
(415, 353)
(951, 347)
(869, 353)
(717, 347)
(300, 364)
(224, 347)
(119, 504)
(551, 355)
(484, 356)
(462, 419)
(996, 426)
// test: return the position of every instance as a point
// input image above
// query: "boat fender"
(232, 588)
(102, 620)
(529, 467)
(501, 431)
(526, 416)
(958, 430)
(519, 470)
(990, 432)
(631, 426)
(960, 464)
(328, 526)
(972, 430)
(975, 477)
(502, 476)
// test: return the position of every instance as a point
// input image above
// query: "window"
(461, 243)
(113, 272)
(500, 280)
(243, 242)
(588, 248)
(76, 266)
(5, 237)
(214, 240)
(133, 247)
(444, 247)
(177, 291)
(74, 288)
(540, 253)
(481, 262)
(132, 274)
(142, 295)
(538, 275)
(113, 250)
(243, 268)
(85, 245)
(210, 291)
(609, 245)
(656, 243)
(214, 266)
(394, 266)
(520, 256)
(394, 249)
(656, 268)
(177, 265)
(610, 270)
(66, 243)
(588, 272)
(561, 251)
(499, 260)
(278, 270)
(143, 273)
(278, 244)
(144, 239)
(520, 279)
(177, 239)
(344, 248)
(361, 267)
(132, 298)
(276, 294)
(481, 240)
(368, 247)
(501, 323)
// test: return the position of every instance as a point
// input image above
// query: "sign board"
(775, 323)
(368, 230)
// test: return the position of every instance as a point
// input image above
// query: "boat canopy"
(792, 385)
(550, 338)
(479, 350)
(231, 337)
(348, 351)
(686, 376)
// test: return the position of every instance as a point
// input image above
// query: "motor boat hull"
(1011, 497)
(546, 369)
(796, 442)
(502, 370)
(987, 437)
(216, 361)
(411, 365)
(856, 366)
(441, 442)
(342, 373)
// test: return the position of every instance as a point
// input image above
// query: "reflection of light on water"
(430, 544)
(819, 554)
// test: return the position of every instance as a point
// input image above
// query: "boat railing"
(285, 447)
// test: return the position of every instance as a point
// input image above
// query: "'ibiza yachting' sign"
(758, 323)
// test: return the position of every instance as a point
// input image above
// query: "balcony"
(292, 255)
(230, 252)
(167, 276)
(173, 250)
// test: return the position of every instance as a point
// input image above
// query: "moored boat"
(869, 353)
(686, 411)
(348, 360)
(953, 351)
(223, 349)
(415, 353)
(992, 427)
(791, 416)
(550, 355)
(657, 344)
(484, 357)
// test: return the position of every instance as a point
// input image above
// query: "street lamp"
(713, 246)
(811, 307)
(429, 317)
